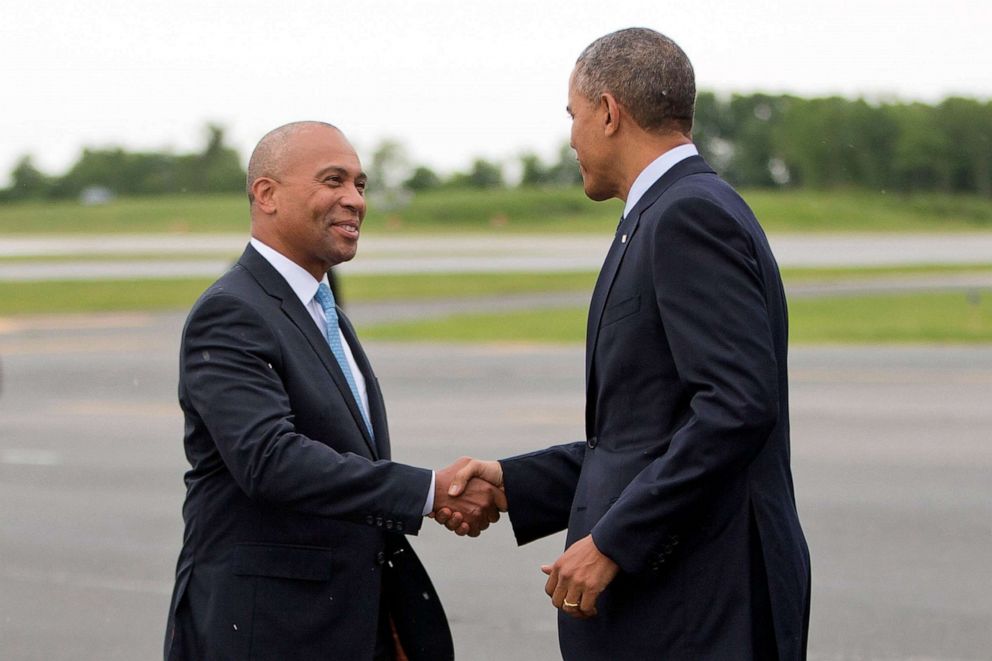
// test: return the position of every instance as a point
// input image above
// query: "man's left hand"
(577, 578)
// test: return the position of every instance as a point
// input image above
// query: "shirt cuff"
(429, 505)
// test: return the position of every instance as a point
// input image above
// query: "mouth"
(349, 229)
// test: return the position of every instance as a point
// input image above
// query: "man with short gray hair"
(683, 537)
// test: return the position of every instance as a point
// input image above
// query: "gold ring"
(565, 602)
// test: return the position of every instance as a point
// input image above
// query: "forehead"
(313, 149)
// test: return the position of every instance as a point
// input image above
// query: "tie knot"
(325, 297)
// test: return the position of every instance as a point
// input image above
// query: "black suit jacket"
(684, 479)
(294, 514)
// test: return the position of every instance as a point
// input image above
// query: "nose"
(354, 200)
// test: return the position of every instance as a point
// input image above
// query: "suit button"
(378, 521)
(399, 526)
(592, 442)
(370, 520)
(389, 525)
(380, 558)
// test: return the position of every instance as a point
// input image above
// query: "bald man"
(295, 517)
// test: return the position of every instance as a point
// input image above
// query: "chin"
(594, 193)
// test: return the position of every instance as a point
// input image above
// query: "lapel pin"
(623, 239)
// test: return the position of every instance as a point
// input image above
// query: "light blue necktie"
(333, 335)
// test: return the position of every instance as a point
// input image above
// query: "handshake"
(468, 496)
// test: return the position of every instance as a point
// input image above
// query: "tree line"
(764, 140)
(755, 140)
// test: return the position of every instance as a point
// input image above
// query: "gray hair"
(647, 73)
(267, 157)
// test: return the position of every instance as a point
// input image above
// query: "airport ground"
(891, 456)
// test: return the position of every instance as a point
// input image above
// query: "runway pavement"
(891, 450)
(72, 258)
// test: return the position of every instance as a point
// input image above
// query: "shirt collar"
(298, 278)
(654, 171)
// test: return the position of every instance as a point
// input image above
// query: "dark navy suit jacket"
(295, 517)
(684, 478)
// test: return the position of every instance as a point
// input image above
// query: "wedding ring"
(565, 602)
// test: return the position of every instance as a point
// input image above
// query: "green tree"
(484, 174)
(218, 168)
(27, 181)
(423, 178)
(966, 125)
(534, 171)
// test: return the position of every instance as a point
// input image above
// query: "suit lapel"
(275, 285)
(623, 238)
(376, 405)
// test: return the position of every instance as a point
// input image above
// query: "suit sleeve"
(710, 298)
(540, 487)
(229, 364)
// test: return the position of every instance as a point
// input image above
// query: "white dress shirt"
(654, 171)
(305, 287)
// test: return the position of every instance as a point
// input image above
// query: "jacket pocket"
(304, 563)
(621, 310)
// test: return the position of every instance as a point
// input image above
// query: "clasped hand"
(466, 499)
(575, 579)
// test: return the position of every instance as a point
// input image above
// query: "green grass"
(557, 325)
(833, 274)
(908, 318)
(156, 214)
(911, 318)
(866, 211)
(510, 211)
(179, 293)
(463, 285)
(99, 295)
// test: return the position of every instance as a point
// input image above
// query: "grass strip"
(521, 210)
(910, 318)
(179, 293)
(99, 295)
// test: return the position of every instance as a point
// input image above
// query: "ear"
(611, 113)
(263, 190)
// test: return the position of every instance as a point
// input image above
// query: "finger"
(442, 515)
(455, 521)
(546, 569)
(500, 500)
(462, 477)
(588, 603)
(552, 583)
(571, 603)
(558, 596)
(493, 517)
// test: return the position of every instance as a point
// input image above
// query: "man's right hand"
(468, 496)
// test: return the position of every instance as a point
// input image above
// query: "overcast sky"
(451, 79)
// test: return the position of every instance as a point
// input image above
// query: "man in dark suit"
(683, 538)
(295, 517)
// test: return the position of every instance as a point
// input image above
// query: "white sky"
(450, 79)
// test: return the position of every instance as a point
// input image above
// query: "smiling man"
(295, 517)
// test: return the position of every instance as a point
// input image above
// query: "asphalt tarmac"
(892, 456)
